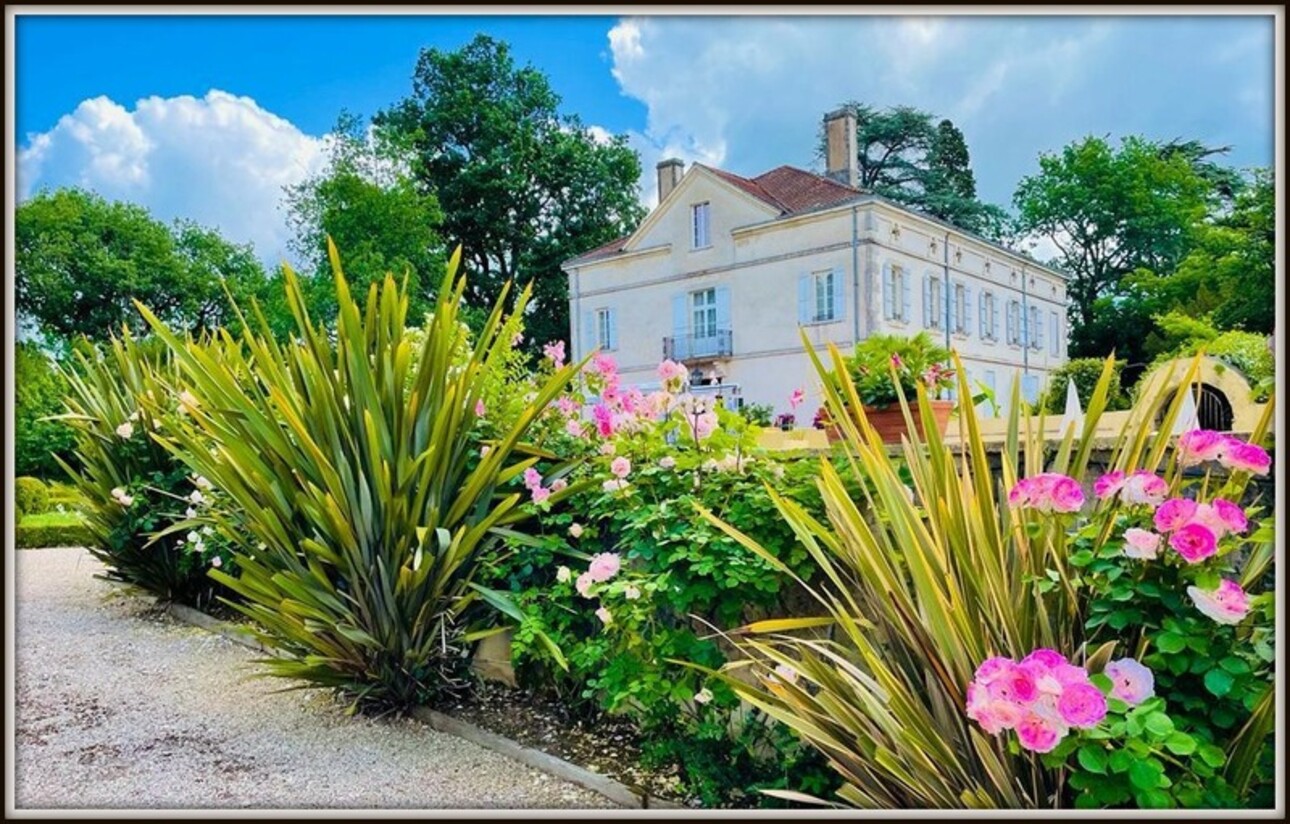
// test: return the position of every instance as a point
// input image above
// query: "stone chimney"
(669, 174)
(840, 147)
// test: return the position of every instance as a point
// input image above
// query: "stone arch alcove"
(1224, 400)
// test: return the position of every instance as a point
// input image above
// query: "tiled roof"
(611, 248)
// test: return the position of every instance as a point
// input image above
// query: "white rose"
(703, 696)
(125, 430)
(563, 574)
(576, 530)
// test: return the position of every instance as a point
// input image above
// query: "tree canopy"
(521, 186)
(81, 259)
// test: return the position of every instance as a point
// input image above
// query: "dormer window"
(699, 214)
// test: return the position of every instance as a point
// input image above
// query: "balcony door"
(703, 317)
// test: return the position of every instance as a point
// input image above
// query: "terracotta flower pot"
(889, 421)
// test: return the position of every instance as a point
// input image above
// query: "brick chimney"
(669, 174)
(840, 147)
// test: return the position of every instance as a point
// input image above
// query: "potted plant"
(914, 360)
(786, 421)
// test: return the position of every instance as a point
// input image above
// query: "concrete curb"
(615, 791)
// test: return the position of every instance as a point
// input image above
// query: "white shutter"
(966, 320)
(805, 299)
(587, 334)
(888, 292)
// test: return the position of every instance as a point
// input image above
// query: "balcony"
(695, 348)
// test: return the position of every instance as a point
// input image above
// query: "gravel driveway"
(123, 707)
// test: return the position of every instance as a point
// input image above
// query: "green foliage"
(757, 413)
(1085, 372)
(38, 394)
(905, 155)
(1246, 352)
(1111, 211)
(367, 203)
(913, 361)
(136, 493)
(30, 496)
(51, 529)
(367, 509)
(528, 186)
(81, 260)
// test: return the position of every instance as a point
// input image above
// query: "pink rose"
(1231, 514)
(573, 427)
(605, 365)
(1039, 734)
(604, 418)
(1199, 446)
(1228, 604)
(705, 424)
(1070, 675)
(605, 616)
(992, 667)
(1245, 457)
(554, 351)
(667, 462)
(1108, 485)
(1194, 543)
(673, 375)
(583, 584)
(1065, 494)
(1144, 488)
(1131, 682)
(1082, 706)
(532, 478)
(620, 467)
(1173, 513)
(540, 494)
(993, 716)
(1140, 543)
(604, 566)
(1014, 684)
(1048, 492)
(559, 485)
(1208, 517)
(480, 409)
(1048, 658)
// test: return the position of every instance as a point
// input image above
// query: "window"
(606, 334)
(703, 313)
(699, 218)
(1054, 335)
(933, 302)
(1035, 329)
(895, 293)
(960, 309)
(1014, 323)
(825, 305)
(989, 323)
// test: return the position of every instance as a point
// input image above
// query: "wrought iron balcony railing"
(699, 347)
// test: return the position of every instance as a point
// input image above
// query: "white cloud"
(221, 160)
(749, 93)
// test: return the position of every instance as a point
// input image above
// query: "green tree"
(1111, 212)
(367, 202)
(38, 393)
(903, 154)
(81, 260)
(522, 187)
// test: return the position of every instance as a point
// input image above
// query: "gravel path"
(121, 706)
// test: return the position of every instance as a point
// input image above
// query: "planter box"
(890, 421)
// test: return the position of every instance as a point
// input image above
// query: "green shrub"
(30, 496)
(39, 536)
(367, 503)
(38, 394)
(1249, 354)
(1085, 372)
(757, 413)
(916, 360)
(135, 491)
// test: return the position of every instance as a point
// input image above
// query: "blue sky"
(209, 117)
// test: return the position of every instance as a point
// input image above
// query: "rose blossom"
(125, 500)
(1245, 457)
(532, 478)
(1231, 514)
(621, 467)
(1140, 543)
(1208, 517)
(575, 530)
(1194, 542)
(604, 566)
(667, 462)
(125, 430)
(554, 351)
(559, 485)
(540, 494)
(573, 427)
(563, 574)
(673, 375)
(1174, 513)
(1109, 484)
(605, 616)
(1039, 734)
(1227, 605)
(480, 409)
(1144, 487)
(1048, 492)
(1131, 682)
(703, 696)
(604, 418)
(1199, 446)
(1082, 705)
(631, 593)
(583, 584)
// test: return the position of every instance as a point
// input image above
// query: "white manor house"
(723, 273)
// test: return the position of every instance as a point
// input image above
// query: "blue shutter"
(839, 296)
(587, 334)
(904, 288)
(967, 310)
(888, 292)
(994, 318)
(805, 299)
(680, 318)
(723, 308)
(613, 329)
(1039, 330)
(1007, 311)
(927, 301)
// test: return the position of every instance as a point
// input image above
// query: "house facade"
(726, 270)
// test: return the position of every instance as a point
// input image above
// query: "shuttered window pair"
(895, 293)
(820, 297)
(599, 329)
(989, 317)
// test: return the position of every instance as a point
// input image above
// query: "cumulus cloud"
(221, 160)
(749, 93)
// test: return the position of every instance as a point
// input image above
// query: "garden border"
(610, 788)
